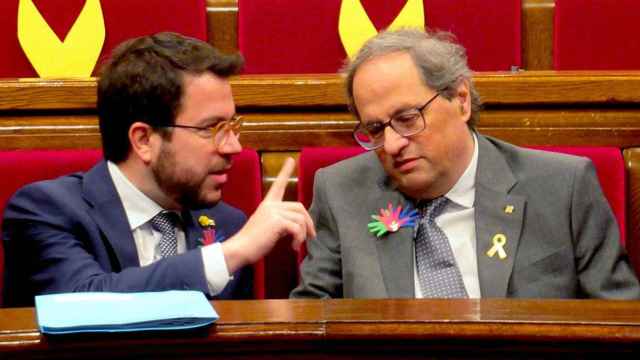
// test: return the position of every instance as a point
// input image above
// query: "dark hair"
(441, 61)
(143, 81)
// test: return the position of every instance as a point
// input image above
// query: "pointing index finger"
(276, 192)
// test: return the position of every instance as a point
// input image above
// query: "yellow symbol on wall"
(76, 56)
(355, 27)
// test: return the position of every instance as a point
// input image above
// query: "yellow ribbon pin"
(499, 241)
(205, 221)
(355, 27)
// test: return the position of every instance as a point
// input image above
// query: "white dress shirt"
(140, 209)
(458, 223)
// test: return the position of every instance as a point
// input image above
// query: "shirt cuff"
(215, 268)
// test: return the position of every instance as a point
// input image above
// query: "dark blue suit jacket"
(72, 234)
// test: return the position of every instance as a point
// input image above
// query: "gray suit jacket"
(562, 238)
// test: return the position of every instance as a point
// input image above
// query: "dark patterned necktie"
(438, 273)
(165, 222)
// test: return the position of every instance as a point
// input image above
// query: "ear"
(463, 96)
(141, 140)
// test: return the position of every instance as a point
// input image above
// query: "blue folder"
(118, 312)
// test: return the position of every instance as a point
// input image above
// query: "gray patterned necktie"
(438, 273)
(165, 222)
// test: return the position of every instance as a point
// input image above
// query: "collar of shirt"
(463, 193)
(138, 206)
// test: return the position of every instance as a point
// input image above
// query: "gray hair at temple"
(441, 61)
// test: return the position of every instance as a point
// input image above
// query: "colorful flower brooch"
(208, 229)
(390, 219)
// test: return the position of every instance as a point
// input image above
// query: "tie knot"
(431, 209)
(165, 222)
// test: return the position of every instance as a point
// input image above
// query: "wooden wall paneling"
(271, 165)
(632, 160)
(567, 88)
(314, 92)
(325, 92)
(222, 19)
(280, 131)
(537, 34)
(43, 131)
(41, 94)
(578, 126)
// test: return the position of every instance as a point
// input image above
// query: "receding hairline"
(378, 57)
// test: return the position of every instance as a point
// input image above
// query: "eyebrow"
(400, 111)
(211, 121)
(404, 110)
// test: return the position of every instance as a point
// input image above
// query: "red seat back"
(123, 20)
(596, 35)
(244, 191)
(20, 167)
(292, 36)
(608, 162)
(610, 169)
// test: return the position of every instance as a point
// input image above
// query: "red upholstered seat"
(596, 35)
(311, 160)
(292, 36)
(20, 167)
(314, 158)
(244, 191)
(609, 165)
(608, 162)
(123, 20)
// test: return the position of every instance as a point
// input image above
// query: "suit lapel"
(496, 213)
(395, 250)
(107, 211)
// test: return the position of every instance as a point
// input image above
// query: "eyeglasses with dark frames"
(219, 132)
(371, 135)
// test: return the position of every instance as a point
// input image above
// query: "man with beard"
(131, 223)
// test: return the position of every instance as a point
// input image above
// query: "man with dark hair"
(134, 221)
(455, 214)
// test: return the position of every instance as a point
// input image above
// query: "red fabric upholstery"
(609, 165)
(20, 167)
(314, 158)
(311, 160)
(244, 191)
(123, 20)
(596, 35)
(608, 162)
(292, 36)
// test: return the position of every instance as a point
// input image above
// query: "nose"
(393, 142)
(231, 144)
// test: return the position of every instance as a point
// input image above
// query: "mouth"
(405, 165)
(220, 176)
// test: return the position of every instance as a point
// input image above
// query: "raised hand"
(272, 221)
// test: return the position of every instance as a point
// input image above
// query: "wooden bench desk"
(365, 329)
